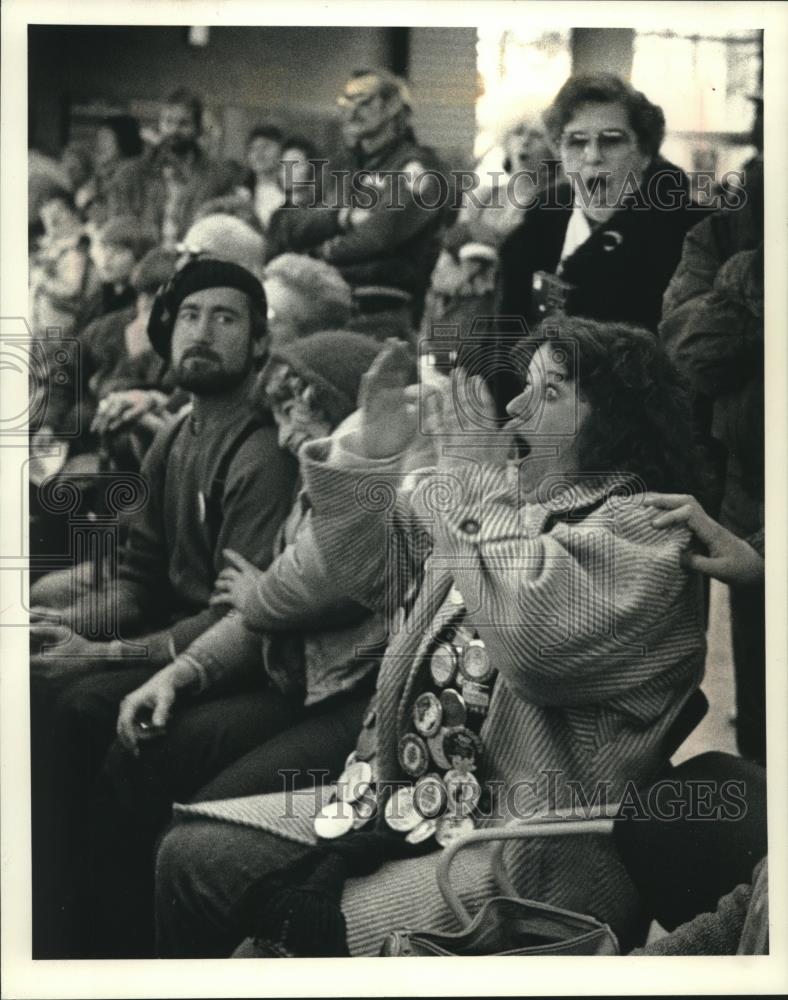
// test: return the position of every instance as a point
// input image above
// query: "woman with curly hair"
(546, 639)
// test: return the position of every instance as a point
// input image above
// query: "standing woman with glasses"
(604, 240)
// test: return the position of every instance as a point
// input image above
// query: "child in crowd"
(115, 251)
(62, 276)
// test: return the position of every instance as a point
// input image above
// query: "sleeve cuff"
(474, 503)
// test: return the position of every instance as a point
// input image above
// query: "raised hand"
(389, 404)
(465, 422)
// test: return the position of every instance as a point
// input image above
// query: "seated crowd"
(430, 492)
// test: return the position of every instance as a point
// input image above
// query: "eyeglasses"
(609, 140)
(351, 102)
(283, 385)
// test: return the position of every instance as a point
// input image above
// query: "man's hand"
(119, 409)
(236, 586)
(153, 700)
(68, 660)
(389, 405)
(729, 559)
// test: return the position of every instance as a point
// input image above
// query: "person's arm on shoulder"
(557, 610)
(728, 558)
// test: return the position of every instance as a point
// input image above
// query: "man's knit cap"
(205, 272)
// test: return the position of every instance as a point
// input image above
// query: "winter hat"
(333, 362)
(226, 237)
(205, 272)
(128, 231)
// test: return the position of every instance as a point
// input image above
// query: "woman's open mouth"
(520, 447)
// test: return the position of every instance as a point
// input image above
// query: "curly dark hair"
(646, 120)
(641, 420)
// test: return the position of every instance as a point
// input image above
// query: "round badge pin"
(430, 796)
(454, 712)
(354, 781)
(400, 813)
(475, 663)
(435, 747)
(427, 714)
(334, 820)
(364, 809)
(476, 696)
(464, 791)
(451, 828)
(443, 664)
(461, 746)
(413, 755)
(422, 832)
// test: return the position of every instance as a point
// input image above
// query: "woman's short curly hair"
(646, 120)
(641, 419)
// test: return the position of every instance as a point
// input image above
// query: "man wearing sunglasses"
(604, 241)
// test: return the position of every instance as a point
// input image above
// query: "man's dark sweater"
(173, 554)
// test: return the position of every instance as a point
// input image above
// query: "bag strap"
(600, 821)
(213, 502)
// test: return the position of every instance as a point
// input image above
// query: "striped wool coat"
(595, 629)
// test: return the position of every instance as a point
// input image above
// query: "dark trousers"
(700, 836)
(70, 732)
(748, 632)
(225, 747)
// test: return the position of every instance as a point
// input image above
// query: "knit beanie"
(333, 362)
(205, 272)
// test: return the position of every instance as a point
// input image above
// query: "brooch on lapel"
(611, 240)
